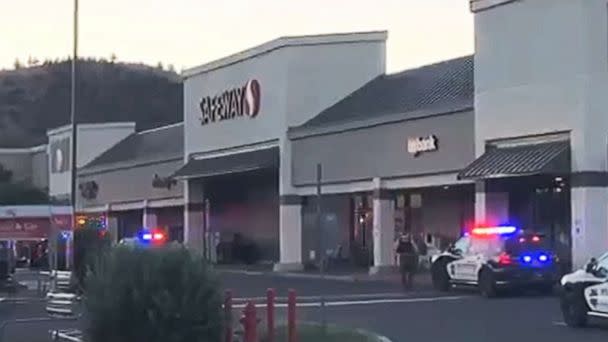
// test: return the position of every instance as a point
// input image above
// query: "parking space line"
(559, 324)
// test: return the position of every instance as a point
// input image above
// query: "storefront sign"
(24, 228)
(163, 182)
(418, 145)
(89, 189)
(231, 104)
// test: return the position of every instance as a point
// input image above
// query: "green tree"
(5, 174)
(19, 193)
(153, 295)
(90, 242)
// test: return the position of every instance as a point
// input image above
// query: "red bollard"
(250, 323)
(228, 316)
(270, 298)
(291, 316)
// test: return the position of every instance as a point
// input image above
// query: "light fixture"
(558, 179)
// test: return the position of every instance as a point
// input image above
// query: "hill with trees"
(36, 97)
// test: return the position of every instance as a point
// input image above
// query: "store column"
(290, 215)
(383, 230)
(150, 219)
(111, 224)
(194, 214)
(491, 208)
(589, 204)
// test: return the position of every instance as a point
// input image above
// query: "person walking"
(408, 260)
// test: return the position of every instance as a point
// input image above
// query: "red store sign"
(24, 228)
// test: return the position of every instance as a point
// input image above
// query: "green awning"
(521, 160)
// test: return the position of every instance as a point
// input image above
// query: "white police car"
(585, 293)
(146, 238)
(497, 258)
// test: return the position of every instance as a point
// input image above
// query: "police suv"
(497, 258)
(585, 293)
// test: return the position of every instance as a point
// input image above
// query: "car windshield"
(602, 264)
(528, 243)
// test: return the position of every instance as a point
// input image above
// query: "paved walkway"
(422, 279)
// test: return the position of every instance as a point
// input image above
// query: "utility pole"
(321, 244)
(74, 138)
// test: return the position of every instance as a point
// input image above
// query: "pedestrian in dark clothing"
(408, 260)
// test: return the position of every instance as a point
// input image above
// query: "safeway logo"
(232, 103)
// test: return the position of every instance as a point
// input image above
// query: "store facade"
(237, 172)
(540, 121)
(128, 186)
(389, 154)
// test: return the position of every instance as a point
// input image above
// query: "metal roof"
(540, 158)
(155, 145)
(440, 85)
(233, 163)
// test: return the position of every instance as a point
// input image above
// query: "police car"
(497, 258)
(146, 238)
(585, 293)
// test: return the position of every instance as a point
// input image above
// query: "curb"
(372, 336)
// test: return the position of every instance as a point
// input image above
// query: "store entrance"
(361, 237)
(540, 204)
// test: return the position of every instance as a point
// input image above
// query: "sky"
(187, 33)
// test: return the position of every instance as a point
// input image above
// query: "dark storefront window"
(362, 229)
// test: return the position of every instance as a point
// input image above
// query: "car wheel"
(440, 277)
(574, 308)
(487, 284)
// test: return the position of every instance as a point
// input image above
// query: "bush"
(152, 295)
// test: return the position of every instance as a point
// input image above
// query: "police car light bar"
(501, 230)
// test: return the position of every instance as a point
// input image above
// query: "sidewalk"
(422, 280)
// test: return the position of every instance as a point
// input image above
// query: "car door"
(597, 295)
(461, 269)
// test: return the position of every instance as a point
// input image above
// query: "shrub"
(152, 295)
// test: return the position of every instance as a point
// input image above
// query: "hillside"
(35, 99)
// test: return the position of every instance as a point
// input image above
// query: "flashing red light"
(501, 230)
(504, 259)
(158, 236)
(535, 238)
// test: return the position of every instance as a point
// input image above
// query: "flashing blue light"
(543, 258)
(500, 230)
(527, 259)
(146, 236)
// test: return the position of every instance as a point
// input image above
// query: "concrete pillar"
(290, 234)
(111, 224)
(589, 223)
(150, 218)
(491, 208)
(194, 214)
(290, 214)
(383, 230)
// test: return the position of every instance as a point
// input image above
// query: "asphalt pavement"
(379, 306)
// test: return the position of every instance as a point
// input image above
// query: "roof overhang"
(524, 160)
(267, 158)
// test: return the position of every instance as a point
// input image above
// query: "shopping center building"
(238, 167)
(514, 134)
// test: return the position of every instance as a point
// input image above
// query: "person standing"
(408, 254)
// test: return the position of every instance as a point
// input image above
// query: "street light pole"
(73, 165)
